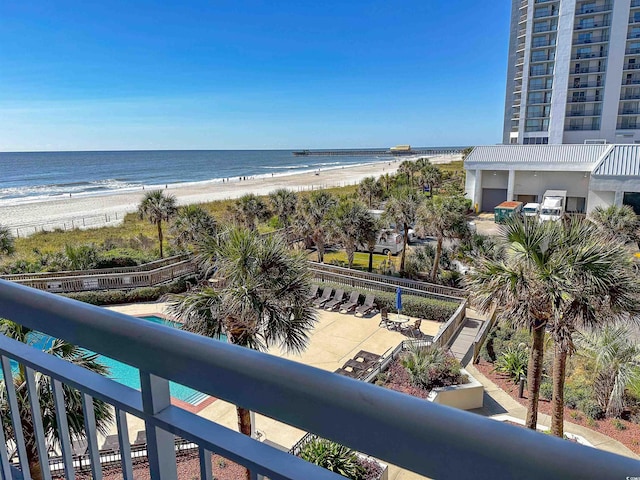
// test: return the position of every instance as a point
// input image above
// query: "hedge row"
(114, 297)
(413, 306)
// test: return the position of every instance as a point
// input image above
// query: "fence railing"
(451, 327)
(68, 223)
(372, 285)
(99, 271)
(111, 281)
(482, 334)
(440, 290)
(428, 439)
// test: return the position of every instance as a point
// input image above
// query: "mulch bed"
(188, 468)
(398, 380)
(629, 437)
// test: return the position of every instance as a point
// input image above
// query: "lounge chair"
(313, 293)
(367, 356)
(367, 306)
(141, 438)
(351, 304)
(349, 373)
(111, 443)
(335, 302)
(326, 294)
(364, 366)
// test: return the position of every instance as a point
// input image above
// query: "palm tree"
(522, 288)
(401, 211)
(386, 182)
(265, 301)
(283, 204)
(157, 207)
(312, 218)
(409, 169)
(345, 221)
(619, 222)
(191, 224)
(615, 356)
(369, 190)
(430, 175)
(250, 208)
(597, 284)
(442, 217)
(6, 241)
(370, 228)
(72, 397)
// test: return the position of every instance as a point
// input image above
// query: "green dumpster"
(507, 210)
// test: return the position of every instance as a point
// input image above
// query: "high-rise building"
(574, 72)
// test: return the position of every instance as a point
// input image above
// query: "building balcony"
(581, 70)
(632, 66)
(582, 56)
(633, 81)
(543, 44)
(417, 435)
(550, 28)
(586, 85)
(635, 3)
(573, 128)
(629, 97)
(583, 114)
(544, 14)
(589, 25)
(635, 111)
(587, 10)
(592, 39)
(628, 126)
(632, 51)
(546, 1)
(584, 99)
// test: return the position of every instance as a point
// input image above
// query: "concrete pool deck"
(335, 339)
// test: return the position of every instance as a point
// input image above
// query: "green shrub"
(501, 338)
(574, 395)
(546, 390)
(618, 425)
(513, 362)
(576, 415)
(432, 367)
(591, 409)
(334, 457)
(115, 297)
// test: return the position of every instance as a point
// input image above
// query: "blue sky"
(118, 75)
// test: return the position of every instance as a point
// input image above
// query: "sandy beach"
(110, 208)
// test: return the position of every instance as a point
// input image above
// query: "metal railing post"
(160, 443)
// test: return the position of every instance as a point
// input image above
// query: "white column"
(618, 198)
(477, 192)
(510, 185)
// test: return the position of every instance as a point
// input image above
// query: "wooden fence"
(446, 293)
(77, 282)
(482, 334)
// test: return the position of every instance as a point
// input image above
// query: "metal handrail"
(428, 439)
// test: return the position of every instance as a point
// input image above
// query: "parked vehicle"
(531, 210)
(388, 242)
(553, 205)
(507, 210)
(377, 214)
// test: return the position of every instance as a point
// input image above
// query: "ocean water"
(35, 176)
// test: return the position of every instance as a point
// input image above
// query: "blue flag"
(399, 299)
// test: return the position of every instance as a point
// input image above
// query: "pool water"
(130, 376)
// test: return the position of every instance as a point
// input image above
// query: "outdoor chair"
(335, 302)
(326, 294)
(414, 330)
(141, 438)
(367, 356)
(314, 291)
(367, 306)
(349, 373)
(384, 318)
(79, 447)
(351, 304)
(111, 443)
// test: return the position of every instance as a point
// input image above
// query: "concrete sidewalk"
(498, 402)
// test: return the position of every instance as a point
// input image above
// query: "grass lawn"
(360, 260)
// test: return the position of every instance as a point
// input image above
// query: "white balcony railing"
(432, 440)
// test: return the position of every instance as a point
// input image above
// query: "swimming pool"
(130, 376)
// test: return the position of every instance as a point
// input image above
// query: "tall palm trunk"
(557, 402)
(160, 236)
(534, 374)
(436, 259)
(370, 269)
(350, 255)
(404, 249)
(244, 425)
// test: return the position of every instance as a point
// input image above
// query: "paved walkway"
(462, 342)
(498, 402)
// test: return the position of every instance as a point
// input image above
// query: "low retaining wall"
(464, 397)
